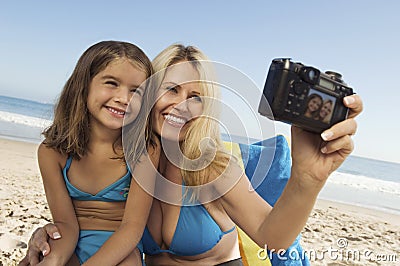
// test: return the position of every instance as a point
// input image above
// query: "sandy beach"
(335, 234)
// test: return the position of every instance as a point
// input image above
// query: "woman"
(199, 228)
(325, 113)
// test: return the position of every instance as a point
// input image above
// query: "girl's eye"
(112, 83)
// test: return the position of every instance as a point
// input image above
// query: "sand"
(335, 234)
(342, 234)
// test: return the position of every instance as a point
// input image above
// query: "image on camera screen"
(319, 106)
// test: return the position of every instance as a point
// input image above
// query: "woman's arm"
(314, 159)
(60, 204)
(137, 209)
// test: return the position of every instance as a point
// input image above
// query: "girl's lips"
(116, 111)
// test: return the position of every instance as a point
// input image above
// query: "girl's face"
(314, 104)
(178, 102)
(325, 110)
(110, 92)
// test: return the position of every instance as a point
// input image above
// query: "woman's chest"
(173, 226)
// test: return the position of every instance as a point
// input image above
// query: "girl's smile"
(110, 92)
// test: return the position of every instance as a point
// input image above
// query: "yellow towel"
(248, 249)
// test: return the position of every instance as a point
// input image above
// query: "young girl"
(85, 177)
(313, 106)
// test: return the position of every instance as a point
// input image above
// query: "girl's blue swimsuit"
(91, 240)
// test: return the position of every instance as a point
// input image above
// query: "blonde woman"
(198, 228)
(325, 113)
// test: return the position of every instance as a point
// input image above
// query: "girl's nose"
(123, 96)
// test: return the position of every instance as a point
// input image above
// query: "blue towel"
(269, 179)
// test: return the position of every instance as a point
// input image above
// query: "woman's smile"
(175, 121)
(179, 102)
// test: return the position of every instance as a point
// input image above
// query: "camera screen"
(319, 106)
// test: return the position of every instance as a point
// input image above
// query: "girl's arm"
(60, 204)
(137, 209)
(313, 161)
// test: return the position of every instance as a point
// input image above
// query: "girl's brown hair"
(70, 131)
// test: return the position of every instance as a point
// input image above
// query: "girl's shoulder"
(50, 155)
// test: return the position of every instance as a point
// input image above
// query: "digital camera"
(303, 96)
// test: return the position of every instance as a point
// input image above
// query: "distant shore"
(341, 228)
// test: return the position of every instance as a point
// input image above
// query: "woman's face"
(178, 102)
(314, 104)
(325, 110)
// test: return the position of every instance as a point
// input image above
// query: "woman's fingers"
(343, 145)
(346, 127)
(355, 105)
(24, 261)
(38, 244)
(52, 231)
(338, 136)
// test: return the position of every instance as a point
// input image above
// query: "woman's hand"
(314, 156)
(38, 245)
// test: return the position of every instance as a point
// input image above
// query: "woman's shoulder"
(228, 167)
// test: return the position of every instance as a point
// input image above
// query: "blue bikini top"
(117, 191)
(196, 232)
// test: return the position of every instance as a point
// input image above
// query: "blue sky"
(42, 40)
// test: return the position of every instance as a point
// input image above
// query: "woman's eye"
(137, 91)
(172, 89)
(196, 98)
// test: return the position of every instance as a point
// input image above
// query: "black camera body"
(303, 96)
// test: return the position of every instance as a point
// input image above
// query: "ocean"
(359, 181)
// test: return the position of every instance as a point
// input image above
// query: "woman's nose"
(182, 103)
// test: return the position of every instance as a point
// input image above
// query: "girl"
(85, 177)
(313, 106)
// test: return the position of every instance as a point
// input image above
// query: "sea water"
(359, 181)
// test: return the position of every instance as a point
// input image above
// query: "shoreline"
(372, 213)
(20, 139)
(24, 208)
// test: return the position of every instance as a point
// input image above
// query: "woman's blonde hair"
(70, 131)
(327, 119)
(203, 137)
